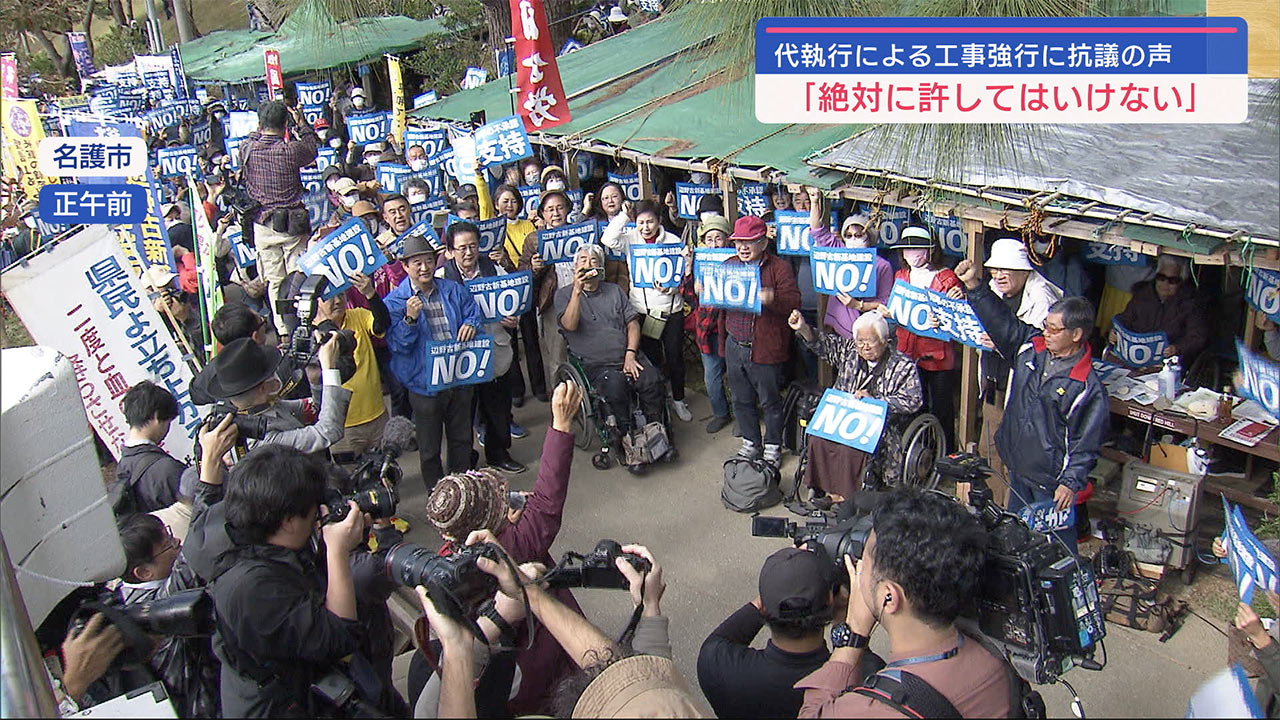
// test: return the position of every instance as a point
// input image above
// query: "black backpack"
(750, 485)
(797, 407)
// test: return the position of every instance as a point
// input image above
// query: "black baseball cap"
(795, 583)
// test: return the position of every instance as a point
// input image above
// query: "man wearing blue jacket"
(426, 309)
(1055, 412)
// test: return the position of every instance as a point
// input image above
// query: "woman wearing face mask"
(843, 310)
(553, 209)
(935, 358)
(531, 171)
(662, 310)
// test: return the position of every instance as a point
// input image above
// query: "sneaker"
(773, 454)
(717, 424)
(682, 410)
(749, 450)
(517, 431)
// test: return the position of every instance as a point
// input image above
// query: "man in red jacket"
(755, 347)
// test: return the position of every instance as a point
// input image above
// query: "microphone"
(396, 436)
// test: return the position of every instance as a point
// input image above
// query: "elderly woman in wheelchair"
(602, 330)
(867, 365)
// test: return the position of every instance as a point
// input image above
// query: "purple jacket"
(840, 318)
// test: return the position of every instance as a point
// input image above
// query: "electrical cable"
(1206, 621)
(1077, 705)
(1150, 502)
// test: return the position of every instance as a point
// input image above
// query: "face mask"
(335, 143)
(531, 178)
(219, 115)
(349, 200)
(371, 160)
(357, 102)
(414, 198)
(555, 185)
(418, 164)
(916, 257)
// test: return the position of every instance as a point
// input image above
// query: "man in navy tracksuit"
(1056, 408)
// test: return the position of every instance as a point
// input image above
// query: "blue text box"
(503, 296)
(452, 364)
(502, 141)
(851, 271)
(102, 203)
(558, 245)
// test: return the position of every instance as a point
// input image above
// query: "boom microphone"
(396, 436)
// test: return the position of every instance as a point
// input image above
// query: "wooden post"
(571, 168)
(970, 403)
(730, 197)
(646, 182)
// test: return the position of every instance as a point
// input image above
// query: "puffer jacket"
(1052, 429)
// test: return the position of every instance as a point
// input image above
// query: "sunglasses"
(1171, 279)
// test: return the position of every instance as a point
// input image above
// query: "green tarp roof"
(309, 39)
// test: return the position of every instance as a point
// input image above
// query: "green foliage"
(1270, 526)
(119, 45)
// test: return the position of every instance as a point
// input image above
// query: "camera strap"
(138, 640)
(908, 694)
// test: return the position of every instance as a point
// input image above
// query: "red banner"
(275, 78)
(9, 75)
(542, 102)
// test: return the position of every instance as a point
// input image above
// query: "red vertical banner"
(542, 102)
(275, 78)
(9, 75)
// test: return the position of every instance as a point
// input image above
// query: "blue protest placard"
(368, 127)
(419, 228)
(850, 421)
(909, 307)
(474, 78)
(687, 197)
(793, 232)
(660, 265)
(348, 250)
(112, 204)
(892, 222)
(48, 229)
(559, 244)
(452, 364)
(851, 271)
(244, 253)
(201, 133)
(326, 156)
(315, 199)
(1262, 292)
(1045, 517)
(493, 232)
(1139, 349)
(419, 212)
(1251, 563)
(569, 46)
(1107, 254)
(178, 161)
(630, 185)
(314, 94)
(1260, 379)
(530, 195)
(503, 296)
(752, 200)
(502, 141)
(423, 100)
(947, 229)
(391, 176)
(433, 142)
(702, 257)
(957, 319)
(734, 286)
(233, 151)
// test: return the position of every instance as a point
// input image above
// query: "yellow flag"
(22, 135)
(398, 112)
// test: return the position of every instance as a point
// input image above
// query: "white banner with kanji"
(80, 299)
(542, 102)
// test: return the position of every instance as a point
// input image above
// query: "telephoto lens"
(377, 502)
(455, 584)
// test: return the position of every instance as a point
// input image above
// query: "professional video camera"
(302, 346)
(185, 614)
(596, 570)
(1036, 603)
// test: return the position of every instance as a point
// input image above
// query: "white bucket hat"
(1009, 254)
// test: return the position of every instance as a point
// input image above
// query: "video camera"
(185, 614)
(1037, 603)
(302, 347)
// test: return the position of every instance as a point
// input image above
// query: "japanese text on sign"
(542, 101)
(1045, 517)
(558, 245)
(656, 266)
(178, 161)
(433, 142)
(503, 296)
(731, 285)
(702, 257)
(1139, 349)
(342, 253)
(687, 197)
(453, 363)
(369, 127)
(851, 421)
(630, 185)
(502, 141)
(957, 319)
(844, 270)
(909, 307)
(1108, 254)
(492, 233)
(1251, 563)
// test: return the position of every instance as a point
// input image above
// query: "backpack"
(797, 407)
(750, 485)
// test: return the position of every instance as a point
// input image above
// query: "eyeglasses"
(170, 543)
(1171, 279)
(1052, 330)
(867, 343)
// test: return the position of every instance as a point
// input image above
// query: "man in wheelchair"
(602, 330)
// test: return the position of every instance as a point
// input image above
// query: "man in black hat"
(796, 601)
(244, 374)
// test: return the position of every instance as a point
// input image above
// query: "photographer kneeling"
(244, 373)
(921, 563)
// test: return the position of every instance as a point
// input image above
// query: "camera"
(455, 583)
(1036, 602)
(301, 348)
(596, 570)
(376, 500)
(185, 614)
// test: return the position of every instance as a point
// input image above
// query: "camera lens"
(409, 564)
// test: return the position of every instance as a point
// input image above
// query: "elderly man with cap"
(180, 235)
(756, 347)
(855, 232)
(426, 309)
(244, 374)
(1029, 295)
(797, 599)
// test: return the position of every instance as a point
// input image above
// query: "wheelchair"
(591, 428)
(923, 442)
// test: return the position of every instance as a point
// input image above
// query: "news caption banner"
(999, 70)
(503, 296)
(348, 250)
(1139, 349)
(101, 160)
(453, 364)
(1251, 563)
(851, 421)
(660, 265)
(731, 286)
(1260, 380)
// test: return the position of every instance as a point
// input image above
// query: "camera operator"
(150, 550)
(86, 658)
(465, 503)
(613, 680)
(245, 374)
(921, 564)
(147, 477)
(796, 601)
(1056, 411)
(270, 168)
(282, 621)
(366, 417)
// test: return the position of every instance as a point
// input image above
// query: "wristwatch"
(843, 636)
(506, 633)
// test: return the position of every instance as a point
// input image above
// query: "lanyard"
(929, 658)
